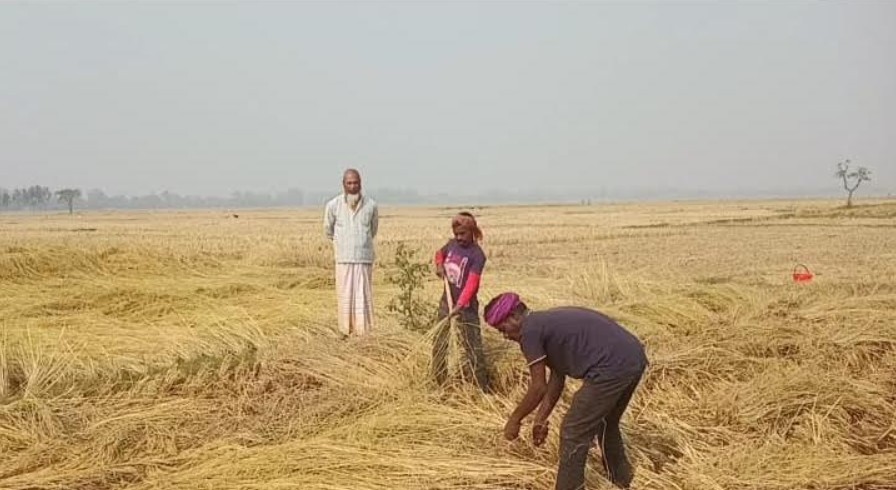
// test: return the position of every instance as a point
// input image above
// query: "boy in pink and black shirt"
(461, 262)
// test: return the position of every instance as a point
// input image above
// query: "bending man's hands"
(540, 432)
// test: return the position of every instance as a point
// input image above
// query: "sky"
(206, 98)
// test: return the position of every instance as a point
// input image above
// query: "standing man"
(350, 221)
(582, 344)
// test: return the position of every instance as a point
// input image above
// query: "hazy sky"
(206, 98)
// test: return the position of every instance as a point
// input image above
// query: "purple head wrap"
(501, 308)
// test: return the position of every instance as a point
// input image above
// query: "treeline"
(97, 199)
(41, 198)
(34, 197)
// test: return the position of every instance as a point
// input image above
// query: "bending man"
(582, 344)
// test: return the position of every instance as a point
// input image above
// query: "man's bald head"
(351, 181)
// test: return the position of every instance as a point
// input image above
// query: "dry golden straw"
(193, 351)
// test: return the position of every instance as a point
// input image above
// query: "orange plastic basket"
(801, 273)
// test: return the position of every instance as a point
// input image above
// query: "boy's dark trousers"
(474, 366)
(595, 412)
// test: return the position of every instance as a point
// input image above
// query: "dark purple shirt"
(581, 343)
(459, 263)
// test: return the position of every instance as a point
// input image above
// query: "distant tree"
(33, 196)
(30, 197)
(292, 197)
(37, 196)
(96, 198)
(171, 199)
(851, 178)
(45, 195)
(5, 198)
(149, 201)
(68, 196)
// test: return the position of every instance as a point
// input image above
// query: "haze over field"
(598, 100)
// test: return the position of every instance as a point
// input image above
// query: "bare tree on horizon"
(851, 179)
